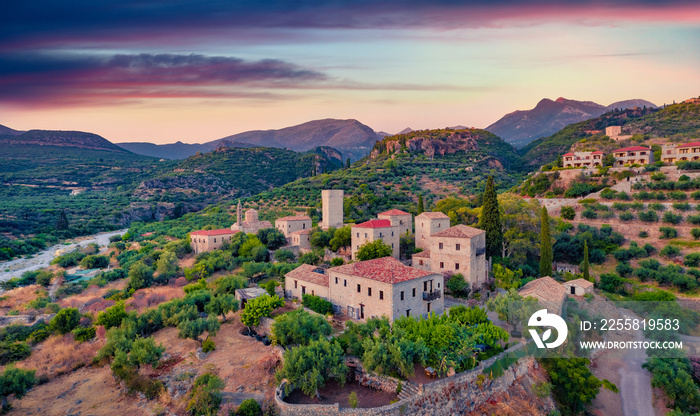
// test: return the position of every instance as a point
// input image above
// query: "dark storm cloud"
(41, 23)
(38, 77)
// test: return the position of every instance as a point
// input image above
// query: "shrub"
(670, 251)
(205, 397)
(337, 261)
(695, 232)
(668, 232)
(589, 213)
(14, 351)
(94, 262)
(626, 216)
(612, 283)
(284, 255)
(112, 316)
(352, 400)
(82, 334)
(678, 195)
(648, 216)
(65, 320)
(672, 218)
(643, 234)
(649, 249)
(249, 407)
(694, 219)
(208, 345)
(568, 213)
(656, 206)
(692, 260)
(681, 206)
(317, 304)
(623, 269)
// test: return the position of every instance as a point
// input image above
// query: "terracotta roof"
(385, 269)
(394, 212)
(579, 282)
(545, 289)
(596, 152)
(433, 215)
(459, 231)
(568, 154)
(374, 224)
(307, 231)
(295, 218)
(223, 231)
(306, 273)
(693, 144)
(631, 149)
(423, 254)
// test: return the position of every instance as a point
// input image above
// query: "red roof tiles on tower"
(222, 231)
(374, 224)
(631, 149)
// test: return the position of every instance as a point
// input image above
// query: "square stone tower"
(332, 208)
(427, 224)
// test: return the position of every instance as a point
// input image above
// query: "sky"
(199, 70)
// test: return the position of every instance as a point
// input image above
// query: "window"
(369, 291)
(295, 284)
(425, 286)
(438, 285)
(313, 293)
(303, 226)
(359, 288)
(414, 292)
(408, 312)
(380, 235)
(345, 282)
(402, 295)
(336, 280)
(365, 235)
(442, 265)
(440, 246)
(215, 240)
(381, 295)
(358, 235)
(428, 307)
(456, 266)
(457, 247)
(303, 290)
(392, 233)
(420, 262)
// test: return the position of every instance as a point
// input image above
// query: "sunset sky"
(197, 70)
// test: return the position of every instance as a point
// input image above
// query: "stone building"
(578, 287)
(615, 133)
(332, 208)
(251, 224)
(306, 279)
(402, 220)
(550, 293)
(583, 159)
(633, 155)
(207, 240)
(427, 224)
(673, 153)
(302, 239)
(385, 287)
(373, 230)
(458, 249)
(289, 225)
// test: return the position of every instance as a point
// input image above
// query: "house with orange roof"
(306, 279)
(673, 153)
(633, 155)
(373, 230)
(583, 159)
(400, 219)
(207, 240)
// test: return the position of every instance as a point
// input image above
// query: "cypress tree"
(545, 246)
(62, 221)
(490, 220)
(421, 207)
(347, 164)
(585, 265)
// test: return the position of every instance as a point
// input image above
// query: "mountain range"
(548, 117)
(57, 138)
(352, 138)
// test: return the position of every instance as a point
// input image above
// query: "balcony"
(428, 296)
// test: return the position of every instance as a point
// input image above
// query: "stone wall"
(25, 319)
(454, 395)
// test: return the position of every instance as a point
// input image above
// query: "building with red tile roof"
(306, 279)
(638, 155)
(550, 293)
(582, 159)
(207, 240)
(680, 153)
(373, 230)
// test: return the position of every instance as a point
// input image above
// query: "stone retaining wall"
(458, 394)
(25, 319)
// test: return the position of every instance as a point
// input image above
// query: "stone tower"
(332, 208)
(427, 224)
(239, 214)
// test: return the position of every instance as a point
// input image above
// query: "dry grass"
(59, 355)
(92, 292)
(152, 297)
(15, 298)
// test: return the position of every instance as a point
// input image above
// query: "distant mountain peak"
(548, 117)
(62, 138)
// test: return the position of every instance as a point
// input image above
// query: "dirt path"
(635, 382)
